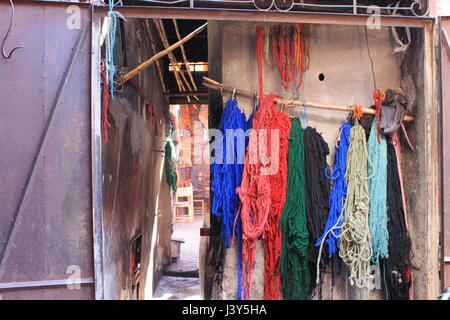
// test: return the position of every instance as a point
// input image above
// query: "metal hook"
(234, 93)
(8, 56)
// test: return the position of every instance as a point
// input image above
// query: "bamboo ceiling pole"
(183, 52)
(290, 102)
(160, 54)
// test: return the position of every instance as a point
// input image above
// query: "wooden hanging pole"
(163, 53)
(213, 84)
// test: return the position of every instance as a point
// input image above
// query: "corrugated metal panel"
(45, 193)
(446, 144)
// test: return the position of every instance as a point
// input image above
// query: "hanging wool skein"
(317, 194)
(280, 126)
(333, 226)
(290, 51)
(355, 247)
(377, 186)
(396, 269)
(227, 177)
(263, 193)
(295, 276)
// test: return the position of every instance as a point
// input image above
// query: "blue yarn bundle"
(227, 176)
(110, 42)
(339, 192)
(377, 172)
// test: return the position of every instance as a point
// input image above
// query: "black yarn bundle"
(397, 268)
(317, 196)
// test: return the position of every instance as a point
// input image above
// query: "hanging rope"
(317, 194)
(355, 246)
(105, 104)
(333, 226)
(227, 177)
(295, 275)
(377, 151)
(260, 57)
(397, 268)
(110, 41)
(397, 146)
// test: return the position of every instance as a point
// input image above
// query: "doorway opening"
(190, 203)
(153, 183)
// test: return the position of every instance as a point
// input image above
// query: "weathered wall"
(212, 248)
(340, 53)
(135, 191)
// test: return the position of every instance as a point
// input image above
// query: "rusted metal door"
(445, 57)
(46, 240)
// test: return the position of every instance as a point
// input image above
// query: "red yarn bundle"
(263, 194)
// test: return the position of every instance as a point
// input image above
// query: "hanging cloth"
(169, 158)
(355, 247)
(263, 191)
(378, 220)
(317, 195)
(396, 269)
(295, 275)
(227, 177)
(333, 226)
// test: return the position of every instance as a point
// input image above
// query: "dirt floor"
(187, 287)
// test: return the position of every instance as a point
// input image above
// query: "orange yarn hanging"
(278, 185)
(289, 50)
(268, 190)
(259, 57)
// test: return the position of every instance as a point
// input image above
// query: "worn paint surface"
(53, 228)
(340, 54)
(135, 193)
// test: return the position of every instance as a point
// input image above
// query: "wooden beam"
(163, 53)
(210, 83)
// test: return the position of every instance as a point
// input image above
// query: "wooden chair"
(184, 198)
(201, 201)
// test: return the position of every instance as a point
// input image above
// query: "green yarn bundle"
(295, 274)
